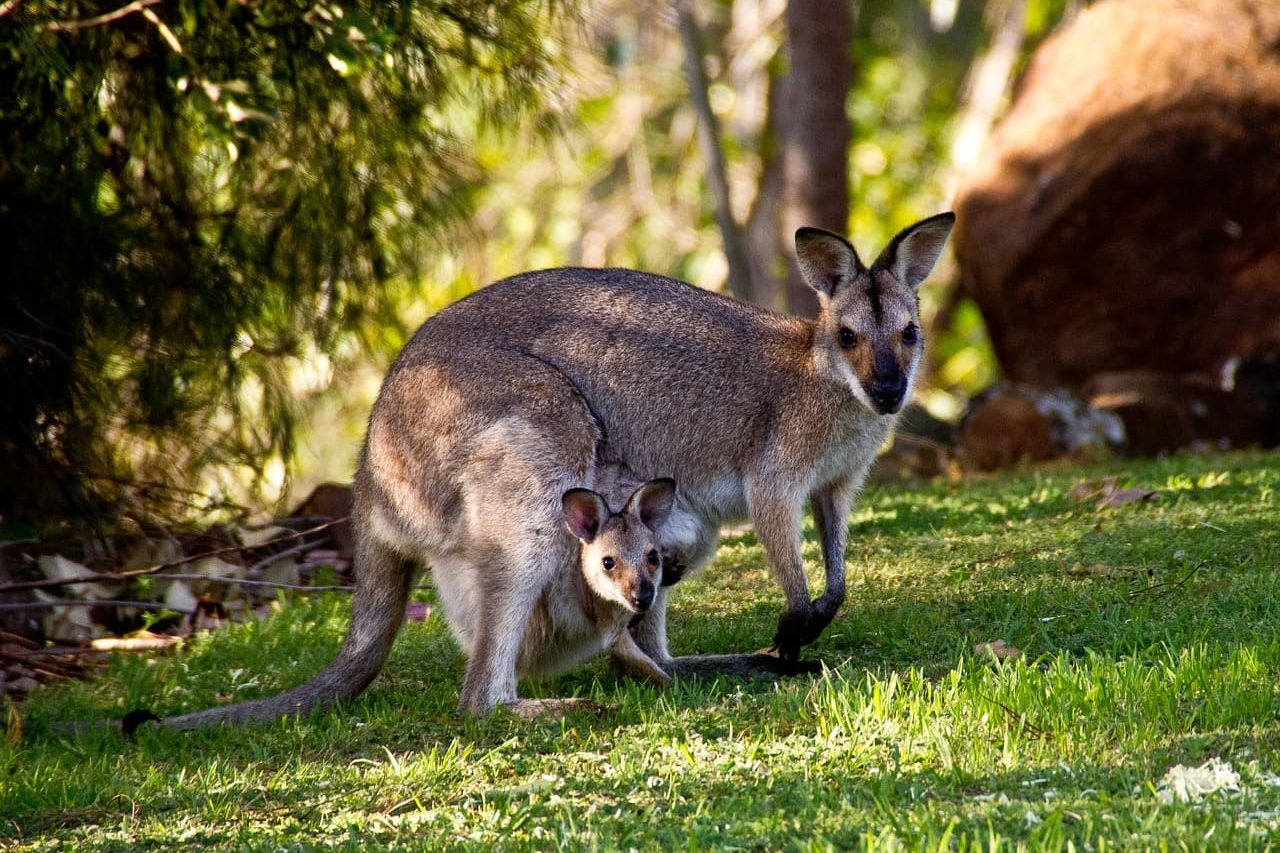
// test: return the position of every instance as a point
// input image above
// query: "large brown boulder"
(1126, 214)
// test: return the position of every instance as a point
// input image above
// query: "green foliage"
(199, 199)
(212, 211)
(1150, 637)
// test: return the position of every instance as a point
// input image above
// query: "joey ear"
(826, 260)
(910, 255)
(584, 513)
(652, 502)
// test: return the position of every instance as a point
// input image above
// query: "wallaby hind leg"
(514, 581)
(831, 508)
(491, 669)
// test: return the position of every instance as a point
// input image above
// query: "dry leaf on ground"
(1128, 496)
(1107, 492)
(59, 568)
(997, 650)
(1100, 570)
(1087, 490)
(1188, 784)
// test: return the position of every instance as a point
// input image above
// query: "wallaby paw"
(555, 709)
(793, 633)
(799, 628)
(653, 674)
(135, 718)
(673, 572)
(824, 612)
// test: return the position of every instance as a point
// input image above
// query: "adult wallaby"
(503, 401)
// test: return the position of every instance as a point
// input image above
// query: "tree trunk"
(735, 251)
(762, 228)
(815, 130)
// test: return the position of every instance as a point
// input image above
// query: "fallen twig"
(1020, 719)
(50, 668)
(29, 643)
(150, 642)
(112, 577)
(28, 660)
(279, 555)
(77, 602)
(1167, 587)
(66, 651)
(246, 582)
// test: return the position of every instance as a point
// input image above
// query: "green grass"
(1150, 637)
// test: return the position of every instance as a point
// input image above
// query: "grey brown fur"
(542, 382)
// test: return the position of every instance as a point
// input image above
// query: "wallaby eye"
(910, 334)
(608, 564)
(653, 558)
(848, 338)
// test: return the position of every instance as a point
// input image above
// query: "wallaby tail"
(383, 580)
(741, 665)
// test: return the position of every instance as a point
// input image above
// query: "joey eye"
(910, 334)
(653, 558)
(848, 338)
(608, 564)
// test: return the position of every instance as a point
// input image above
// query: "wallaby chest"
(854, 446)
(567, 627)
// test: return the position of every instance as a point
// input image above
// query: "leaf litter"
(1108, 493)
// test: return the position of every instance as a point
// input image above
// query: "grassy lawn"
(1150, 637)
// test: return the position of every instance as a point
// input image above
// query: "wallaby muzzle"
(642, 597)
(888, 385)
(887, 397)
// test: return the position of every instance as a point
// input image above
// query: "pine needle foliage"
(198, 198)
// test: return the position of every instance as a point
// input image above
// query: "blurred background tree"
(202, 203)
(221, 220)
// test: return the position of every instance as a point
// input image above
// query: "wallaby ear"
(584, 513)
(652, 502)
(826, 260)
(910, 256)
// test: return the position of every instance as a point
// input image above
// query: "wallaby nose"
(887, 386)
(884, 368)
(887, 396)
(642, 598)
